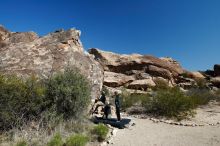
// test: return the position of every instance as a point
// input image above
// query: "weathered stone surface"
(142, 75)
(157, 71)
(4, 33)
(26, 54)
(217, 69)
(195, 75)
(141, 84)
(119, 69)
(112, 90)
(161, 79)
(112, 79)
(171, 60)
(121, 63)
(24, 37)
(186, 85)
(216, 81)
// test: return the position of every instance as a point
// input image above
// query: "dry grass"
(35, 135)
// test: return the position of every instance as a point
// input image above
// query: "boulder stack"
(136, 71)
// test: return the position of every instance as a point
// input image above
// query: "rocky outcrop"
(122, 63)
(217, 69)
(195, 75)
(26, 54)
(141, 84)
(112, 79)
(135, 71)
(216, 81)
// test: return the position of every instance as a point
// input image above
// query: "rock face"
(136, 71)
(26, 54)
(217, 69)
(112, 79)
(195, 75)
(141, 84)
(216, 81)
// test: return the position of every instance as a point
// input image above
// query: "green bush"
(56, 140)
(217, 94)
(100, 131)
(69, 92)
(22, 143)
(129, 100)
(126, 100)
(171, 103)
(64, 95)
(77, 140)
(20, 100)
(201, 83)
(200, 96)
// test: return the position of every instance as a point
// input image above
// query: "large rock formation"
(27, 53)
(136, 71)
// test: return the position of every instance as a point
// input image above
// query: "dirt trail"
(147, 133)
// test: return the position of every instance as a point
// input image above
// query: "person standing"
(117, 105)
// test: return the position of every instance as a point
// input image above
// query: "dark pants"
(118, 113)
(107, 111)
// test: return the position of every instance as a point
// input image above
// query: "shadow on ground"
(112, 121)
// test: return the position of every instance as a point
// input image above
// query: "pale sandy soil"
(147, 133)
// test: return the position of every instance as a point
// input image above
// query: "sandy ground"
(147, 133)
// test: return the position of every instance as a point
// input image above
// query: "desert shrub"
(146, 101)
(56, 140)
(200, 96)
(217, 94)
(100, 131)
(129, 100)
(77, 140)
(106, 91)
(69, 92)
(160, 84)
(21, 143)
(201, 83)
(171, 103)
(20, 100)
(64, 95)
(126, 100)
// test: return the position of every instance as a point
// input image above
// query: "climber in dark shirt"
(100, 102)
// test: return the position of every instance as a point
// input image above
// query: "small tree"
(69, 92)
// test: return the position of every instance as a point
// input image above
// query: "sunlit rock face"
(136, 71)
(25, 53)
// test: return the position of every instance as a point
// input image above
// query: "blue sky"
(186, 30)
